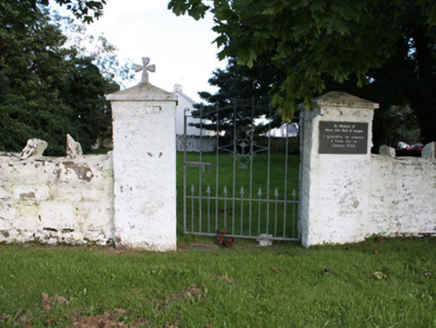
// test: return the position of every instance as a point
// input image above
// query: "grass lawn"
(377, 283)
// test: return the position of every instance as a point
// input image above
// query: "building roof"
(178, 90)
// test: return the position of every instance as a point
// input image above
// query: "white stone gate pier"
(347, 193)
(335, 168)
(144, 158)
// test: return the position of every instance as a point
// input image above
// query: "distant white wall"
(285, 130)
(56, 200)
(196, 144)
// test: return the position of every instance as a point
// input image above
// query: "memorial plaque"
(343, 137)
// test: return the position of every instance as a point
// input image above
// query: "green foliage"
(82, 9)
(314, 41)
(244, 89)
(47, 90)
(243, 83)
(195, 8)
(244, 286)
(98, 49)
(27, 11)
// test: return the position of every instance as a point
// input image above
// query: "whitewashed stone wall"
(54, 200)
(402, 198)
(128, 197)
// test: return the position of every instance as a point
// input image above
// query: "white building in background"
(185, 103)
(280, 132)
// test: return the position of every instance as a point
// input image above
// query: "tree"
(47, 90)
(313, 41)
(248, 89)
(99, 49)
(26, 11)
(243, 82)
(391, 124)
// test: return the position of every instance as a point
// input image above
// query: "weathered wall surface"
(127, 197)
(56, 200)
(333, 187)
(144, 130)
(402, 196)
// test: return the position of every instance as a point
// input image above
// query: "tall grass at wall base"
(377, 283)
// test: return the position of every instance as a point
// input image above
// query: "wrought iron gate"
(242, 185)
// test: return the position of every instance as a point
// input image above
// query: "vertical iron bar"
(268, 174)
(234, 166)
(192, 208)
(286, 182)
(185, 120)
(200, 168)
(293, 213)
(276, 194)
(208, 208)
(259, 193)
(225, 206)
(251, 166)
(217, 168)
(242, 209)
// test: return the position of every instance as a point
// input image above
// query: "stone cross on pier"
(145, 68)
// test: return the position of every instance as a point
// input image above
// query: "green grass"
(233, 287)
(281, 178)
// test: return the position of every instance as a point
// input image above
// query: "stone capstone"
(34, 147)
(429, 150)
(386, 151)
(74, 149)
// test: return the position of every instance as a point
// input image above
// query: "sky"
(180, 47)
